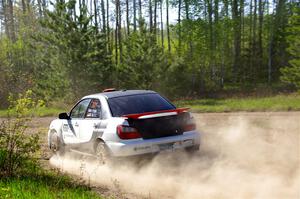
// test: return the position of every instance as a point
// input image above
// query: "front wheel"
(55, 145)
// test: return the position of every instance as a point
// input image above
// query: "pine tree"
(291, 73)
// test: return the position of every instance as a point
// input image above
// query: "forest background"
(62, 50)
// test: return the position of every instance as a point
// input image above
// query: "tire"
(192, 149)
(101, 152)
(56, 146)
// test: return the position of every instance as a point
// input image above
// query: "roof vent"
(108, 90)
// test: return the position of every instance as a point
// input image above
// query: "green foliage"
(38, 112)
(179, 71)
(144, 62)
(19, 57)
(64, 51)
(80, 49)
(291, 73)
(17, 145)
(15, 70)
(24, 104)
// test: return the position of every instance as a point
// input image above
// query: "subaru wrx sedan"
(124, 123)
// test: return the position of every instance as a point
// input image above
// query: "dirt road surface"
(242, 155)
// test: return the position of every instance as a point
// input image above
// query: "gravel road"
(243, 155)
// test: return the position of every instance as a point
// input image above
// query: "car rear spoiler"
(156, 114)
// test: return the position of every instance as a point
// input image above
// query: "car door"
(71, 127)
(91, 122)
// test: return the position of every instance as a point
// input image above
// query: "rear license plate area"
(166, 147)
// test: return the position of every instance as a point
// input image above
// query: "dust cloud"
(242, 155)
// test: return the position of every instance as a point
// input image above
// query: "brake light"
(127, 132)
(190, 125)
(108, 90)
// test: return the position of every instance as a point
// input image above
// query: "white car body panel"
(140, 146)
(77, 131)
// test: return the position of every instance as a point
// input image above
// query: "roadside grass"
(47, 185)
(275, 103)
(39, 112)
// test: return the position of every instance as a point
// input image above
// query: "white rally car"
(124, 123)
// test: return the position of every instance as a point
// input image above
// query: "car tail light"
(190, 125)
(127, 132)
(108, 90)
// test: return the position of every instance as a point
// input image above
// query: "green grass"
(46, 186)
(40, 112)
(275, 103)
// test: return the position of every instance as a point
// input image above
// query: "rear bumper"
(149, 146)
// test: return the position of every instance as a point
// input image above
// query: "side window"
(80, 109)
(94, 109)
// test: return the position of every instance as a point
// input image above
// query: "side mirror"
(64, 116)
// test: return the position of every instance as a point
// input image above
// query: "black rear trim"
(160, 126)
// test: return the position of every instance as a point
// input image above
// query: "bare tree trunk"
(214, 37)
(140, 9)
(5, 20)
(254, 50)
(226, 47)
(11, 22)
(179, 27)
(91, 10)
(155, 17)
(80, 6)
(134, 15)
(103, 16)
(96, 15)
(260, 26)
(116, 32)
(40, 8)
(127, 17)
(74, 12)
(270, 49)
(270, 54)
(150, 16)
(168, 28)
(242, 20)
(211, 37)
(250, 38)
(24, 6)
(186, 6)
(99, 16)
(44, 5)
(107, 27)
(237, 39)
(242, 73)
(119, 31)
(161, 24)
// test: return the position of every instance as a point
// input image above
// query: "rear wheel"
(192, 149)
(101, 152)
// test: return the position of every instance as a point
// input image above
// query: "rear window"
(138, 104)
